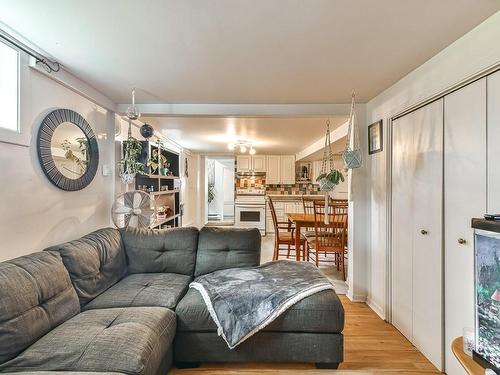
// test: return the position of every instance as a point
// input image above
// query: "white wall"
(34, 213)
(470, 54)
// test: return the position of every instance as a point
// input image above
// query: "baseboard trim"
(376, 308)
(356, 297)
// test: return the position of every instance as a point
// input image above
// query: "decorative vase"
(163, 171)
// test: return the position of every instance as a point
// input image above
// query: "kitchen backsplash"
(292, 189)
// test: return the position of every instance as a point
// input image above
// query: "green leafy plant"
(130, 163)
(335, 176)
(211, 193)
(157, 160)
(70, 155)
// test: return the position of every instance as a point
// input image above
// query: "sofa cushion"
(161, 250)
(143, 289)
(320, 313)
(36, 295)
(221, 248)
(130, 340)
(95, 262)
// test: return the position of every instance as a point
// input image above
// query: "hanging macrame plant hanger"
(327, 165)
(352, 153)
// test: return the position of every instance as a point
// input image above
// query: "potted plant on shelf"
(130, 164)
(158, 161)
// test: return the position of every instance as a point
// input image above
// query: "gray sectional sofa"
(119, 302)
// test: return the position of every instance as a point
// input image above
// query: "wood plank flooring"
(371, 346)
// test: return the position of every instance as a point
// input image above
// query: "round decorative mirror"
(67, 149)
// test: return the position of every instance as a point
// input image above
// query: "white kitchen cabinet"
(249, 163)
(417, 229)
(287, 169)
(273, 170)
(243, 163)
(465, 180)
(259, 163)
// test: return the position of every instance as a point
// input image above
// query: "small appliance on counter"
(487, 293)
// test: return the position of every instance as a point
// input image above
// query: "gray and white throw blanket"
(242, 301)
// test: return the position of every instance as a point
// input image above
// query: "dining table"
(300, 220)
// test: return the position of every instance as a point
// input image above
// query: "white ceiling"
(270, 135)
(243, 51)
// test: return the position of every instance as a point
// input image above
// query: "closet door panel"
(427, 232)
(403, 161)
(464, 198)
(494, 143)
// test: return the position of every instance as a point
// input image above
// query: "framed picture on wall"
(375, 138)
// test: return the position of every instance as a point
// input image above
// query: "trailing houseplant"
(328, 181)
(130, 164)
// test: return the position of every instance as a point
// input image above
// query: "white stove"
(250, 208)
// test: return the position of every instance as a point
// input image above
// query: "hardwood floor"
(371, 346)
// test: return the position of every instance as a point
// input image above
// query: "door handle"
(461, 241)
(424, 232)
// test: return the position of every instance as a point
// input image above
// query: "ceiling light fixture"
(243, 146)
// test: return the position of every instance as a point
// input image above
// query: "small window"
(9, 87)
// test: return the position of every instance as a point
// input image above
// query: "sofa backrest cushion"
(160, 250)
(36, 295)
(95, 262)
(222, 248)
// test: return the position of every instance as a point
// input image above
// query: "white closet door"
(403, 165)
(427, 232)
(494, 143)
(464, 198)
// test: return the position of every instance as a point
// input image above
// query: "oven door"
(250, 216)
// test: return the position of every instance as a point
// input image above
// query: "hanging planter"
(352, 153)
(130, 164)
(330, 176)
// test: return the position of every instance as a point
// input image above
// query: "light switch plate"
(106, 170)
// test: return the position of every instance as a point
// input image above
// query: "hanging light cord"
(49, 65)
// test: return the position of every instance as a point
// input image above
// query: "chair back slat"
(332, 236)
(273, 215)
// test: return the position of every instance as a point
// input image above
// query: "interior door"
(464, 198)
(403, 166)
(417, 169)
(427, 274)
(493, 142)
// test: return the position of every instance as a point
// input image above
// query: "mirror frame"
(44, 139)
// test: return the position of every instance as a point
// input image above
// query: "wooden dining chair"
(308, 204)
(284, 234)
(330, 238)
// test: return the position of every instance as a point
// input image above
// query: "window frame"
(20, 136)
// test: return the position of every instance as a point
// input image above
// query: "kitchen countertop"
(292, 197)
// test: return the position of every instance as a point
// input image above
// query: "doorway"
(220, 190)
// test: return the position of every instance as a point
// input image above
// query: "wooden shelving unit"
(158, 183)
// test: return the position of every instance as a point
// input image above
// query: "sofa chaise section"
(310, 331)
(134, 340)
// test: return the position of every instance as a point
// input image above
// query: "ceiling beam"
(335, 135)
(238, 110)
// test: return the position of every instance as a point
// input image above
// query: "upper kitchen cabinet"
(259, 163)
(243, 163)
(248, 163)
(288, 169)
(273, 172)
